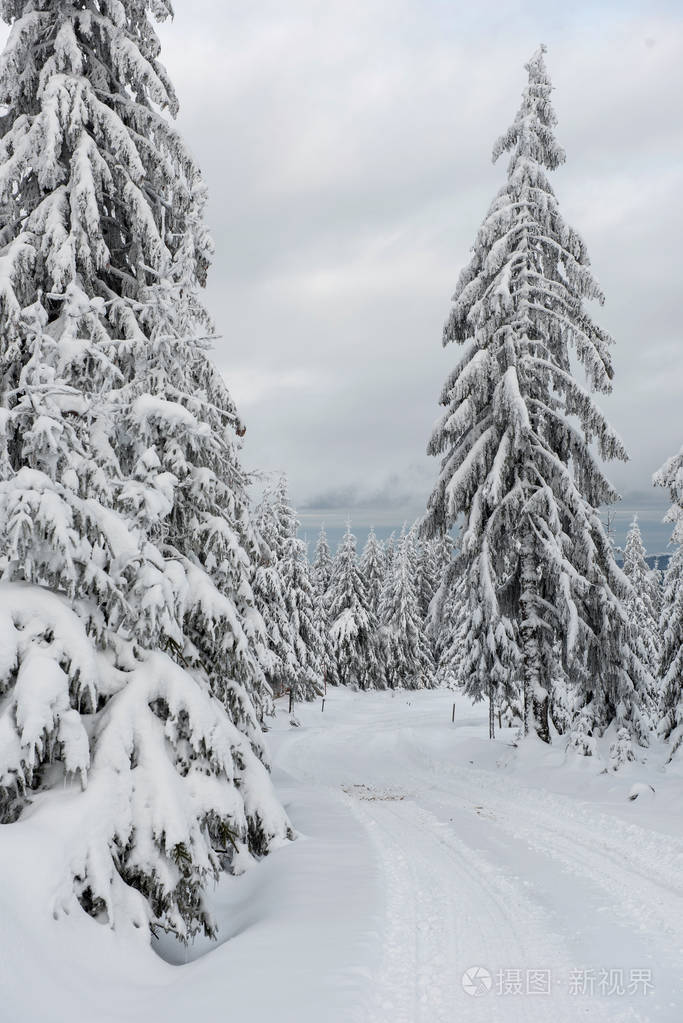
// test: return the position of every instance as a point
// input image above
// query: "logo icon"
(476, 981)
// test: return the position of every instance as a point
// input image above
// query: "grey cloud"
(332, 499)
(398, 492)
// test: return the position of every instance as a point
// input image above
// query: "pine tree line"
(400, 615)
(359, 621)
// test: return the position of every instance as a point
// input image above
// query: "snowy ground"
(425, 851)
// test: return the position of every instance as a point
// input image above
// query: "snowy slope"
(424, 850)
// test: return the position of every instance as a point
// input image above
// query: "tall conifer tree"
(280, 660)
(643, 600)
(322, 564)
(301, 598)
(372, 570)
(426, 574)
(322, 573)
(353, 626)
(407, 655)
(130, 626)
(515, 441)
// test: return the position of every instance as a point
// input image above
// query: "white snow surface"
(424, 850)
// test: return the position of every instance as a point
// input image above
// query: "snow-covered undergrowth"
(423, 850)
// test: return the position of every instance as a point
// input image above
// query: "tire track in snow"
(640, 872)
(450, 906)
(448, 909)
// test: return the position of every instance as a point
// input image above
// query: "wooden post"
(453, 714)
(323, 706)
(291, 700)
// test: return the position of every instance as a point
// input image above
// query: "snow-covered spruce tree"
(447, 626)
(389, 549)
(301, 599)
(305, 604)
(671, 618)
(426, 574)
(280, 660)
(440, 614)
(124, 537)
(353, 626)
(372, 570)
(643, 600)
(328, 661)
(322, 565)
(407, 654)
(515, 445)
(321, 574)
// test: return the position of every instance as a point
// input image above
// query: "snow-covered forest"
(242, 774)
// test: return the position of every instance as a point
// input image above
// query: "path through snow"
(481, 864)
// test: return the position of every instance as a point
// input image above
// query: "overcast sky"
(347, 151)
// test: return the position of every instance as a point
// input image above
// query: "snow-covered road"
(483, 861)
(438, 878)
